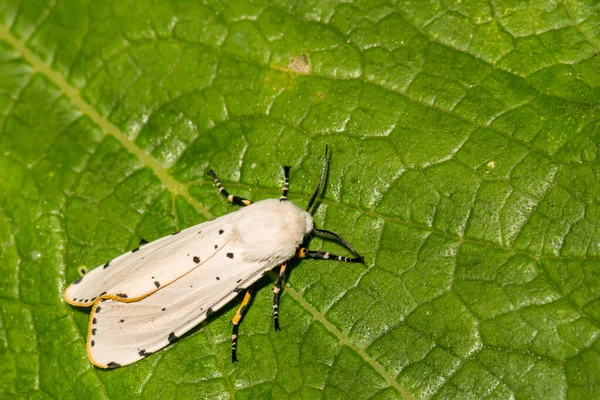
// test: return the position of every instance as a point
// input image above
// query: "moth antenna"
(338, 238)
(323, 172)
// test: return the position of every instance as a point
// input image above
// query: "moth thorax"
(273, 228)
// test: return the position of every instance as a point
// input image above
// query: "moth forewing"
(122, 333)
(142, 271)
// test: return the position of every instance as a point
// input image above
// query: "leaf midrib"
(174, 186)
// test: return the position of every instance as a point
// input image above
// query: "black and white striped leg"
(236, 323)
(286, 185)
(230, 198)
(277, 294)
(322, 255)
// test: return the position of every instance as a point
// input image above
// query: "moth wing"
(142, 271)
(121, 333)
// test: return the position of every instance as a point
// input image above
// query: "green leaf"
(464, 144)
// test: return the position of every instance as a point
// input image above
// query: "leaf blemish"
(299, 64)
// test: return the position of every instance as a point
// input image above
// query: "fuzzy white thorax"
(272, 229)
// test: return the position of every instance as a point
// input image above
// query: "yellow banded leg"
(236, 322)
(277, 294)
(230, 198)
(323, 255)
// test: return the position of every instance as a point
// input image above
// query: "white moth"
(147, 298)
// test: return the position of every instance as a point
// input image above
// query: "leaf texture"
(464, 166)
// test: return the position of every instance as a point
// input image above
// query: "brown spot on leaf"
(299, 64)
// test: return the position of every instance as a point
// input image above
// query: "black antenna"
(338, 238)
(323, 172)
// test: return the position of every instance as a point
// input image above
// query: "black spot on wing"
(113, 364)
(216, 245)
(143, 353)
(121, 321)
(93, 331)
(221, 231)
(230, 255)
(98, 309)
(157, 284)
(122, 295)
(172, 338)
(106, 265)
(217, 278)
(196, 259)
(92, 299)
(238, 289)
(92, 343)
(94, 321)
(102, 294)
(238, 281)
(164, 309)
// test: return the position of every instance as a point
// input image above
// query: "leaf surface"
(464, 166)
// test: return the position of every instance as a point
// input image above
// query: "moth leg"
(323, 255)
(236, 323)
(286, 185)
(277, 293)
(230, 198)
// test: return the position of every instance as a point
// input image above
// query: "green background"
(464, 141)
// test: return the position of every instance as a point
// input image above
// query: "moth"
(147, 298)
